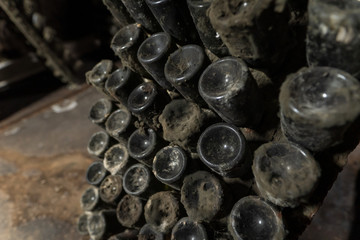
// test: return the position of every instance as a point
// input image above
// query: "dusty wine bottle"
(143, 145)
(148, 232)
(162, 210)
(125, 44)
(317, 105)
(142, 14)
(90, 199)
(119, 12)
(119, 124)
(174, 18)
(183, 69)
(130, 212)
(333, 35)
(253, 218)
(146, 102)
(153, 53)
(99, 143)
(98, 75)
(139, 181)
(110, 189)
(100, 111)
(182, 122)
(117, 159)
(96, 173)
(229, 89)
(210, 38)
(82, 224)
(203, 196)
(103, 224)
(222, 147)
(188, 229)
(285, 173)
(128, 234)
(169, 166)
(121, 82)
(255, 31)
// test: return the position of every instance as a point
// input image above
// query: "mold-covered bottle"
(163, 210)
(253, 218)
(120, 84)
(100, 111)
(186, 228)
(142, 14)
(222, 147)
(333, 35)
(139, 181)
(255, 31)
(117, 159)
(205, 197)
(169, 166)
(228, 87)
(110, 189)
(153, 54)
(183, 69)
(317, 105)
(210, 38)
(130, 212)
(174, 18)
(125, 44)
(285, 173)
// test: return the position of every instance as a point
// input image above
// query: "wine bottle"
(120, 124)
(317, 105)
(148, 232)
(110, 189)
(142, 14)
(121, 82)
(117, 159)
(229, 89)
(153, 53)
(99, 143)
(209, 37)
(103, 224)
(119, 12)
(186, 228)
(253, 218)
(82, 224)
(183, 69)
(285, 173)
(98, 75)
(174, 18)
(96, 173)
(222, 147)
(90, 199)
(169, 166)
(333, 35)
(100, 111)
(125, 44)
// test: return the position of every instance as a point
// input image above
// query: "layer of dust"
(162, 210)
(180, 120)
(202, 196)
(129, 211)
